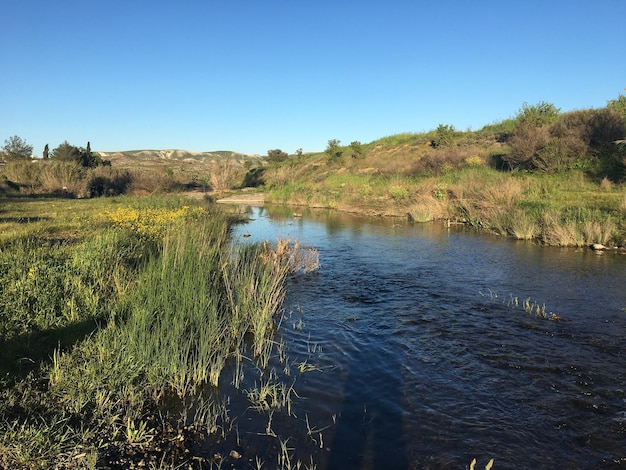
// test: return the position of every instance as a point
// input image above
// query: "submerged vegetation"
(118, 319)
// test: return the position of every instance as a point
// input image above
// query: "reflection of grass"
(487, 467)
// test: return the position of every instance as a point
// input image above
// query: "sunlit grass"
(564, 209)
(142, 303)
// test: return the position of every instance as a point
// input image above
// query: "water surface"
(422, 359)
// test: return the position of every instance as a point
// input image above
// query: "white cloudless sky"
(254, 75)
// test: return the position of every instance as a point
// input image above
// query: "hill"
(167, 157)
(558, 178)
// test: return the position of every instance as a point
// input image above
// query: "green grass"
(564, 209)
(111, 334)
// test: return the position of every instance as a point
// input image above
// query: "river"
(410, 347)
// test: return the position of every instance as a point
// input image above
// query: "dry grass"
(57, 176)
(429, 202)
(598, 231)
(224, 175)
(606, 184)
(522, 226)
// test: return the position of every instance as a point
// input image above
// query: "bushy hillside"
(544, 175)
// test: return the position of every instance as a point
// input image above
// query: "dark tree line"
(16, 148)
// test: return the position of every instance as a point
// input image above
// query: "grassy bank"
(118, 317)
(565, 209)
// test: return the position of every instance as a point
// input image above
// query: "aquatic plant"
(531, 308)
(488, 466)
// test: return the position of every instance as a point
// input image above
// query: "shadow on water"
(369, 430)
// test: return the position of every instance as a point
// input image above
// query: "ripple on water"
(418, 369)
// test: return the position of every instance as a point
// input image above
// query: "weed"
(531, 308)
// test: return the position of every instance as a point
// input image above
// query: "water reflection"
(426, 356)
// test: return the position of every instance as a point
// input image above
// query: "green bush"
(444, 135)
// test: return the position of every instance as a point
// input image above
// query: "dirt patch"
(251, 198)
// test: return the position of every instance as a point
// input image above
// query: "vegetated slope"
(559, 179)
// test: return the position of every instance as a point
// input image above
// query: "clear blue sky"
(254, 75)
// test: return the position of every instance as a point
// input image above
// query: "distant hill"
(147, 157)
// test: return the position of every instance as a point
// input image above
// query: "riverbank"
(567, 209)
(115, 337)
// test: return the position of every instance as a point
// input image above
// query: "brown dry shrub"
(526, 142)
(440, 161)
(151, 182)
(608, 127)
(24, 173)
(61, 177)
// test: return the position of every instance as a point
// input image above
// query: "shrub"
(107, 181)
(525, 144)
(474, 161)
(399, 192)
(444, 136)
(276, 155)
(61, 176)
(538, 115)
(333, 150)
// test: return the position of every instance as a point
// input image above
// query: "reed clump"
(531, 308)
(577, 228)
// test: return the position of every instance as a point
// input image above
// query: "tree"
(333, 151)
(66, 152)
(16, 148)
(88, 159)
(356, 148)
(540, 114)
(46, 152)
(277, 155)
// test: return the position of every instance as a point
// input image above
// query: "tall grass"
(173, 302)
(577, 227)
